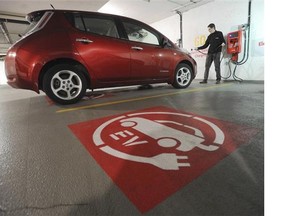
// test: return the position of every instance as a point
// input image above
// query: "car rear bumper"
(17, 77)
(17, 82)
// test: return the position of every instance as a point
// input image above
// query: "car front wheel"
(183, 76)
(64, 84)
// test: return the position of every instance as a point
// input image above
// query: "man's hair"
(211, 25)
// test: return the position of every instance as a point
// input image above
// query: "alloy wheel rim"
(183, 76)
(66, 84)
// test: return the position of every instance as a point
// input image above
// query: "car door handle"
(83, 40)
(136, 48)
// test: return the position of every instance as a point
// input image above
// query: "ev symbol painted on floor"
(164, 136)
(152, 153)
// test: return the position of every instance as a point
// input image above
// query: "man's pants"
(209, 59)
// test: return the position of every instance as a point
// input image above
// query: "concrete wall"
(227, 16)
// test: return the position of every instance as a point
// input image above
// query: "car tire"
(64, 84)
(183, 76)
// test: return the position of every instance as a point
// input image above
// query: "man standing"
(216, 42)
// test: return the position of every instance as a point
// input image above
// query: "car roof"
(88, 12)
(79, 11)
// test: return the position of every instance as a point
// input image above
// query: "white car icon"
(168, 136)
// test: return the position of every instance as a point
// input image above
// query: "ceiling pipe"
(191, 4)
(181, 29)
(5, 32)
(175, 2)
(14, 21)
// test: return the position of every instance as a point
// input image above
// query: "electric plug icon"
(169, 161)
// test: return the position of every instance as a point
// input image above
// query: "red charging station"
(234, 43)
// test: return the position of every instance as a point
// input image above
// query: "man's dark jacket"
(215, 40)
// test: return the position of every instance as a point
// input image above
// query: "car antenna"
(52, 6)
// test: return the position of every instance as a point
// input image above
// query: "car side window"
(97, 25)
(78, 22)
(140, 34)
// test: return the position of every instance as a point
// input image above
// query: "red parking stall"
(152, 153)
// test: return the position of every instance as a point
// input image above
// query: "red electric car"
(66, 52)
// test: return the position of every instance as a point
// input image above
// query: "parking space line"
(140, 98)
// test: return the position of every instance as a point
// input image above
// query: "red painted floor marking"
(150, 154)
(87, 97)
(49, 101)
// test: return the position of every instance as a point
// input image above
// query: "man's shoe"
(203, 82)
(217, 82)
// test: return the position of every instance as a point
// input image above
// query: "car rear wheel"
(183, 76)
(64, 84)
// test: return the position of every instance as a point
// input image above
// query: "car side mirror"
(165, 43)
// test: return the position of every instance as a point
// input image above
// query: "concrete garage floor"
(49, 164)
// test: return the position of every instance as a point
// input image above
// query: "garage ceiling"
(13, 12)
